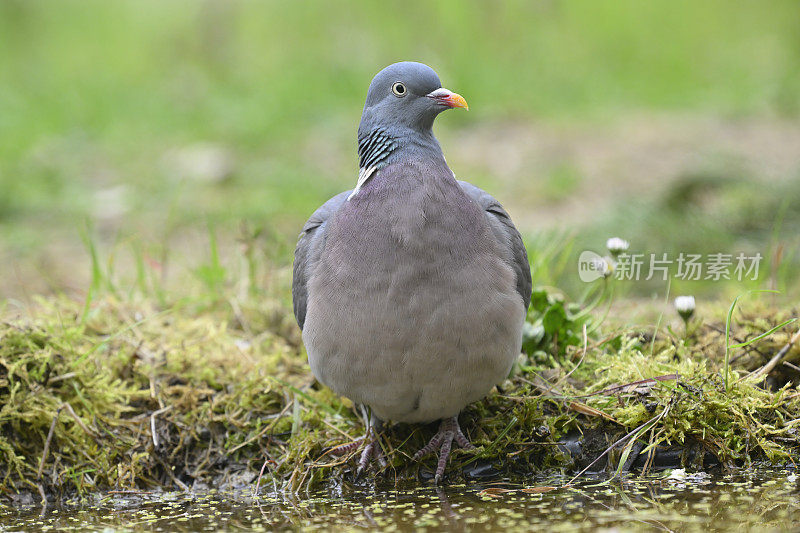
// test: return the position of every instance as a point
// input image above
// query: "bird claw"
(449, 431)
(372, 451)
(344, 449)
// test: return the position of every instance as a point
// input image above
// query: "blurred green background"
(145, 126)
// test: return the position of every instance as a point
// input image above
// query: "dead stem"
(77, 419)
(47, 444)
(772, 363)
(153, 430)
(261, 473)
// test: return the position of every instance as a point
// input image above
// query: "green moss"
(141, 396)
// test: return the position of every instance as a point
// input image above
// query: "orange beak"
(448, 98)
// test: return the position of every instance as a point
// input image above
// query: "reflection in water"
(766, 499)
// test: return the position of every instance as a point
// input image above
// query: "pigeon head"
(402, 102)
(406, 96)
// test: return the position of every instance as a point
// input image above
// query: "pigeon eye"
(399, 89)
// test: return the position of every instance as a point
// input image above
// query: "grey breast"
(311, 243)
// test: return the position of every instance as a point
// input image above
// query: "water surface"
(765, 499)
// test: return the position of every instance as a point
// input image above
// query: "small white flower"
(685, 306)
(603, 266)
(616, 245)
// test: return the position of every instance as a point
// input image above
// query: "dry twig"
(772, 363)
(47, 443)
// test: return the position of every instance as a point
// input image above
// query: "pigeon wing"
(307, 253)
(507, 235)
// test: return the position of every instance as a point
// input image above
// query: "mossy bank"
(123, 393)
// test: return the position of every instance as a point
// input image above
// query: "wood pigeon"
(410, 289)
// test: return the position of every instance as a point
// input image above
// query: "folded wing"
(307, 253)
(507, 235)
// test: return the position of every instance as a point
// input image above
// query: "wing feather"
(307, 253)
(507, 235)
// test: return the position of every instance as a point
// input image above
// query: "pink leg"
(449, 431)
(344, 449)
(372, 449)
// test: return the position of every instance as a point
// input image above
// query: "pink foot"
(449, 430)
(344, 449)
(372, 451)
